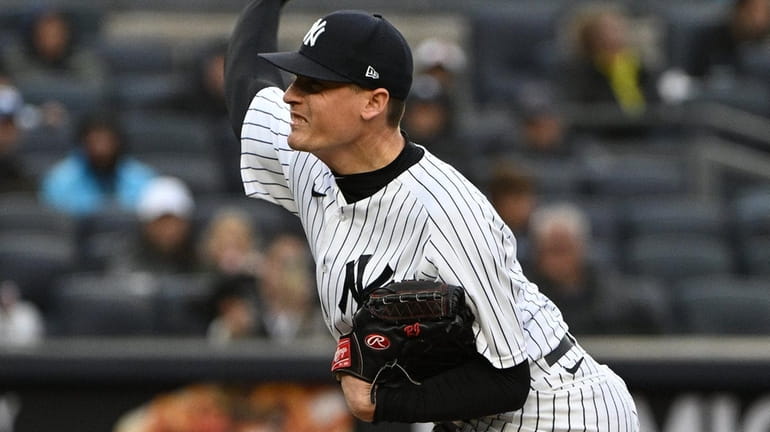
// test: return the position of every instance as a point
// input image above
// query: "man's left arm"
(475, 389)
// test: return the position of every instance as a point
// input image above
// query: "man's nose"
(291, 96)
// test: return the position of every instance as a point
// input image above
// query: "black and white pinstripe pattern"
(593, 399)
(429, 223)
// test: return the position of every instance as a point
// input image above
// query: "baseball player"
(377, 208)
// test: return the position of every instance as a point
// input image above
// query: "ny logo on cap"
(312, 35)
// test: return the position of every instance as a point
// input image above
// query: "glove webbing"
(412, 305)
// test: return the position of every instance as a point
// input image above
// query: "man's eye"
(309, 85)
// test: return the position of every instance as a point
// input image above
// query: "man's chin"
(296, 143)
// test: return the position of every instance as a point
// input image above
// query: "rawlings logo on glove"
(407, 331)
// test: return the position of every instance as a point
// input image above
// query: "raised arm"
(245, 73)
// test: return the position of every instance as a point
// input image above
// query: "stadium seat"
(751, 228)
(631, 176)
(508, 47)
(645, 306)
(756, 255)
(555, 178)
(685, 24)
(751, 211)
(757, 61)
(38, 163)
(24, 213)
(724, 305)
(149, 132)
(602, 252)
(146, 91)
(134, 56)
(200, 172)
(104, 234)
(673, 257)
(34, 261)
(87, 20)
(76, 96)
(93, 304)
(183, 304)
(680, 214)
(49, 139)
(604, 214)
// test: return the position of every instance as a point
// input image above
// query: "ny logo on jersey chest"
(354, 276)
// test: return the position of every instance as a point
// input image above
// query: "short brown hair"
(508, 179)
(395, 112)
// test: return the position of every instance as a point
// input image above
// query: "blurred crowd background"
(626, 144)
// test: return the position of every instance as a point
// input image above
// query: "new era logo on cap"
(372, 73)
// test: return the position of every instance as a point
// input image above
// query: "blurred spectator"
(287, 293)
(230, 244)
(230, 251)
(234, 310)
(607, 68)
(267, 407)
(512, 193)
(560, 269)
(719, 50)
(49, 62)
(206, 91)
(283, 308)
(592, 300)
(98, 173)
(13, 176)
(165, 243)
(20, 322)
(196, 408)
(49, 50)
(440, 58)
(429, 119)
(543, 128)
(204, 96)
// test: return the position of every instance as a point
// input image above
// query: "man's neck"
(355, 187)
(369, 153)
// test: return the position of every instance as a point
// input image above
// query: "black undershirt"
(475, 389)
(356, 187)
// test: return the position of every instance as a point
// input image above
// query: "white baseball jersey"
(428, 223)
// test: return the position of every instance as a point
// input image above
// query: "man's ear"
(376, 104)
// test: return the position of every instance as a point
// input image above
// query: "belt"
(566, 343)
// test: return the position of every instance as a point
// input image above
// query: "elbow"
(518, 399)
(521, 393)
(514, 388)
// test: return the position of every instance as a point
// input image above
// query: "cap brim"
(298, 64)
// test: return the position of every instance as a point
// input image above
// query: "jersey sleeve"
(469, 246)
(266, 157)
(492, 297)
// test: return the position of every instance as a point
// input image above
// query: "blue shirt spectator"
(98, 174)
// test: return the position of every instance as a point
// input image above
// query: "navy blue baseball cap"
(352, 46)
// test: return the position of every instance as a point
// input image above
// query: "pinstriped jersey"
(428, 223)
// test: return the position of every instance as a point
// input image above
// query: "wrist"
(358, 397)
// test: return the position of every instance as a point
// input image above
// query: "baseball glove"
(407, 331)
